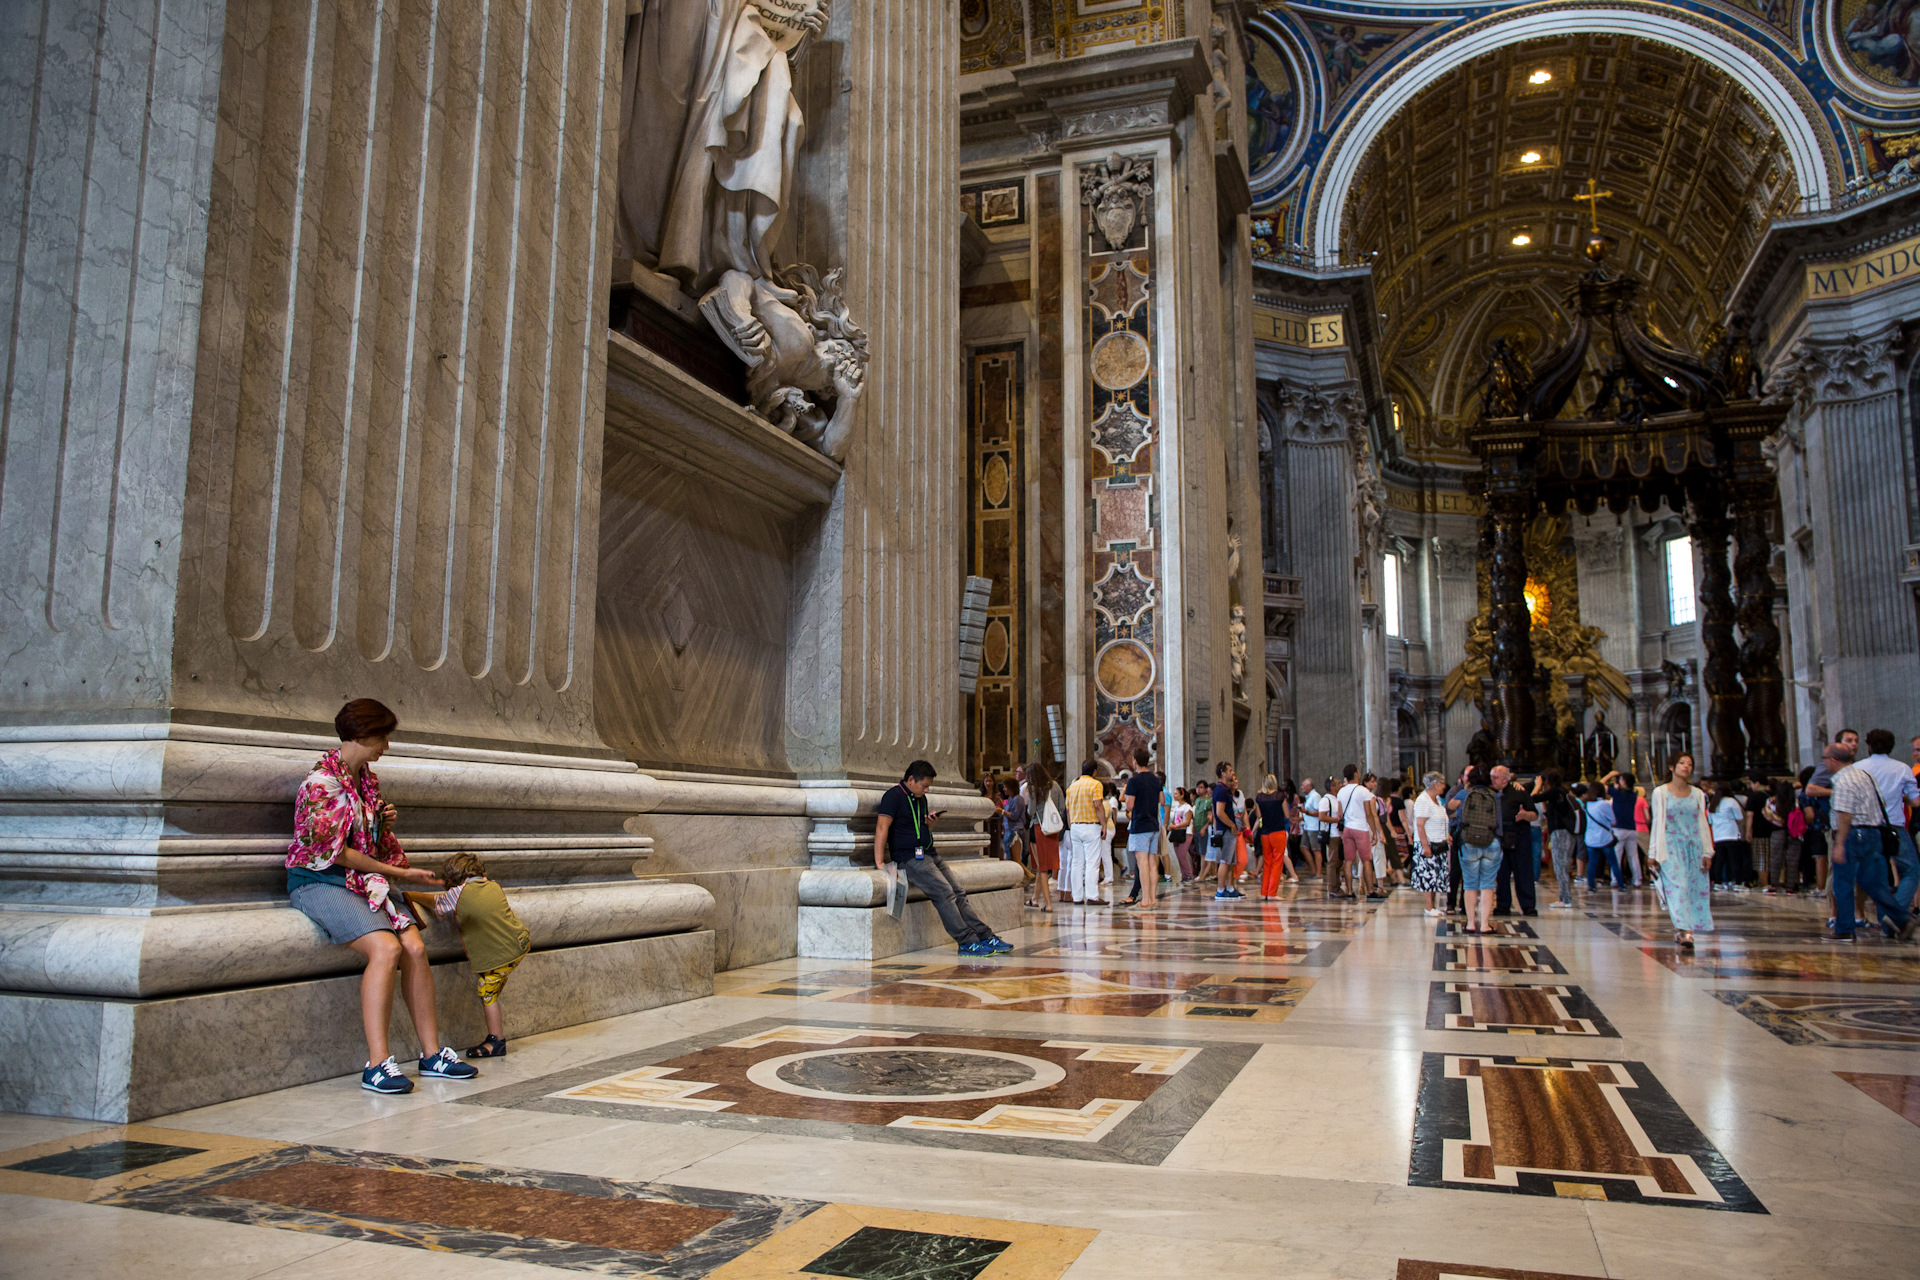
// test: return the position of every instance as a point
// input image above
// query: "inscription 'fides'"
(1315, 333)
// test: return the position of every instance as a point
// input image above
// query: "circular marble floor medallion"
(905, 1073)
(1120, 359)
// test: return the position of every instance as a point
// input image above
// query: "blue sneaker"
(997, 945)
(385, 1077)
(1224, 895)
(975, 949)
(446, 1065)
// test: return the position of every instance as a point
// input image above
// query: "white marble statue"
(709, 138)
(1237, 645)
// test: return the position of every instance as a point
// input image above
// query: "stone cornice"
(1115, 96)
(1772, 274)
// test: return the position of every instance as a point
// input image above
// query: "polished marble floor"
(1301, 1088)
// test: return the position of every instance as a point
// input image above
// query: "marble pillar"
(1847, 474)
(872, 679)
(305, 393)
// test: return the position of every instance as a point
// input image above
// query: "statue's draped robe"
(709, 134)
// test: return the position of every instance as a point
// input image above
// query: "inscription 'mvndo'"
(1314, 333)
(1865, 273)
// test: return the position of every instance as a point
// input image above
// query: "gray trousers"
(1561, 843)
(930, 876)
(1783, 862)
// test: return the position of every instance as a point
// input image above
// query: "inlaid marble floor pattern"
(1301, 1088)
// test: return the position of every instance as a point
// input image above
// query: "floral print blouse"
(332, 811)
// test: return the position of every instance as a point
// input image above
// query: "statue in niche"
(709, 138)
(1237, 645)
(1602, 746)
(1507, 377)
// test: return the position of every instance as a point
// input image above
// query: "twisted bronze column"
(1510, 661)
(1764, 711)
(1720, 666)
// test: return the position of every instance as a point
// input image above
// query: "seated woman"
(343, 858)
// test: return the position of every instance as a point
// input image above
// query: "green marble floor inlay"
(884, 1253)
(106, 1160)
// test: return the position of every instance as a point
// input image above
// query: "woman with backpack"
(1480, 853)
(1048, 822)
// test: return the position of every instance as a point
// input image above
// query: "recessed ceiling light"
(1530, 157)
(1522, 240)
(1540, 77)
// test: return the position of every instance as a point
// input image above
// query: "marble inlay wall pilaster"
(1120, 412)
(996, 399)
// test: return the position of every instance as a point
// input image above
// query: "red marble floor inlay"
(1898, 1094)
(1413, 1269)
(646, 1226)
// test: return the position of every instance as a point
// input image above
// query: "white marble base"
(869, 933)
(127, 1060)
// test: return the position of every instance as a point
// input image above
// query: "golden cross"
(1596, 197)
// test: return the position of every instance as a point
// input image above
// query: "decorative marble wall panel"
(996, 401)
(1048, 628)
(691, 623)
(1117, 322)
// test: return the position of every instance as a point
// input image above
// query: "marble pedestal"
(843, 912)
(127, 1060)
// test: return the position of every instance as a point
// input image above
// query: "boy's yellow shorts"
(492, 980)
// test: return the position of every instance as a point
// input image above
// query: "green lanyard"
(919, 837)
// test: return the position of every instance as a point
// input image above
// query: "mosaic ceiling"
(1468, 200)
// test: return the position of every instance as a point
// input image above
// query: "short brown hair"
(364, 718)
(460, 868)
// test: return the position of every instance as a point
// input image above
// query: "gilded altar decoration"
(710, 130)
(1562, 644)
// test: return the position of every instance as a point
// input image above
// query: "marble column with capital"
(1847, 473)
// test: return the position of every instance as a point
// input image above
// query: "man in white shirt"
(1358, 818)
(1312, 830)
(1860, 819)
(1897, 788)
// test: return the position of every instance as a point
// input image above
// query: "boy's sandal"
(491, 1047)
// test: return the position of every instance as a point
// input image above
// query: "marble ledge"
(867, 887)
(665, 414)
(121, 956)
(123, 1061)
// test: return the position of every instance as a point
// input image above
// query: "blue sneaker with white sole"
(385, 1077)
(446, 1065)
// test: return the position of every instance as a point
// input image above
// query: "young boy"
(495, 940)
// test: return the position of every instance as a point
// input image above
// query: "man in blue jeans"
(903, 837)
(1897, 789)
(1860, 825)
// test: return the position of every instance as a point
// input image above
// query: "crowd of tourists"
(1485, 844)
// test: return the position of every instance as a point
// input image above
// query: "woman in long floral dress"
(1681, 846)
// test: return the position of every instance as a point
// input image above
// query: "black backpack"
(1480, 817)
